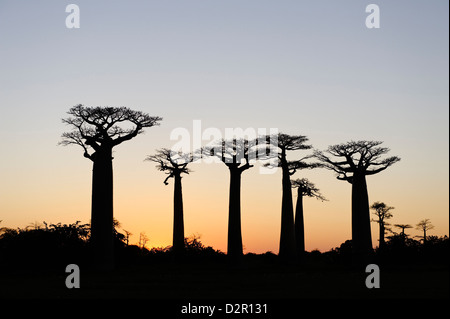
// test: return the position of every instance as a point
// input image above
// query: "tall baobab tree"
(285, 143)
(424, 225)
(98, 130)
(403, 227)
(358, 160)
(236, 155)
(308, 189)
(174, 164)
(382, 211)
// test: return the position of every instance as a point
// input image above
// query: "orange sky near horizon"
(142, 203)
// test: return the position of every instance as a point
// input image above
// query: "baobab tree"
(98, 130)
(174, 164)
(285, 143)
(382, 211)
(308, 189)
(236, 155)
(424, 225)
(127, 236)
(359, 160)
(403, 227)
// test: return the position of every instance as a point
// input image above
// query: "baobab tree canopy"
(234, 152)
(286, 142)
(382, 211)
(171, 162)
(362, 157)
(307, 188)
(94, 127)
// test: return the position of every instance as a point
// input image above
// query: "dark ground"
(219, 281)
(33, 263)
(162, 290)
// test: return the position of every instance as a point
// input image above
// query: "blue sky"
(214, 58)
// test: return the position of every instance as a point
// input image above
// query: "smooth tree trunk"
(299, 225)
(382, 230)
(102, 236)
(178, 219)
(361, 234)
(288, 250)
(234, 249)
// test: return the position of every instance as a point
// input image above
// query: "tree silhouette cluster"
(51, 247)
(383, 213)
(398, 250)
(98, 129)
(48, 246)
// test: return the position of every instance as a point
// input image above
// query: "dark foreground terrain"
(251, 280)
(33, 266)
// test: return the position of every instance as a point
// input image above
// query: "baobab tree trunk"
(382, 243)
(234, 250)
(287, 236)
(178, 219)
(102, 237)
(299, 224)
(361, 234)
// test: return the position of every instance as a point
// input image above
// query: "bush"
(53, 246)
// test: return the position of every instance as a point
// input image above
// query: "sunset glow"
(305, 69)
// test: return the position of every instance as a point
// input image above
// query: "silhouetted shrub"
(57, 245)
(341, 254)
(48, 247)
(44, 247)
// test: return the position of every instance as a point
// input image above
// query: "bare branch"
(386, 163)
(306, 188)
(70, 138)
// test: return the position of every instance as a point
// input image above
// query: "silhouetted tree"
(424, 225)
(44, 247)
(403, 235)
(382, 211)
(359, 159)
(98, 130)
(235, 154)
(35, 225)
(2, 229)
(174, 164)
(127, 237)
(196, 249)
(287, 143)
(304, 188)
(403, 227)
(143, 239)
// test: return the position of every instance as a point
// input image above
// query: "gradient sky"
(304, 67)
